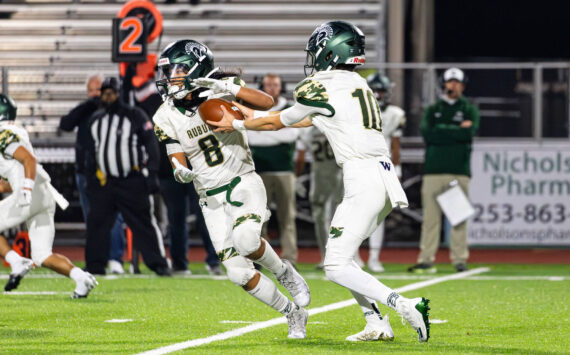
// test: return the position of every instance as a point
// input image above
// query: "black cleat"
(163, 271)
(423, 269)
(461, 267)
(22, 267)
(13, 282)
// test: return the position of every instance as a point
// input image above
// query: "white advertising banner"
(521, 194)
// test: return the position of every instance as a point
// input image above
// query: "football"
(210, 110)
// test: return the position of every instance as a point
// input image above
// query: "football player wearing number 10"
(232, 195)
(339, 102)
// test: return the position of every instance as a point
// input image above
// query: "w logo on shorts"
(385, 165)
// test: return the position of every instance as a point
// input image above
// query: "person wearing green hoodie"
(448, 128)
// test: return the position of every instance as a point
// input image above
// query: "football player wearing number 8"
(339, 102)
(232, 195)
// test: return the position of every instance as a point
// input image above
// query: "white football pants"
(235, 230)
(38, 218)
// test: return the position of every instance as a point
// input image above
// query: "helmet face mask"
(180, 63)
(309, 63)
(8, 108)
(173, 80)
(334, 43)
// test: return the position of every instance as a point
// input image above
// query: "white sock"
(12, 257)
(77, 274)
(374, 254)
(397, 300)
(369, 308)
(267, 292)
(359, 281)
(271, 261)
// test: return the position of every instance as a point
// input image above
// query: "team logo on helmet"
(324, 33)
(196, 49)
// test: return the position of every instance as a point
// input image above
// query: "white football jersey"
(353, 126)
(393, 120)
(216, 158)
(12, 137)
(316, 143)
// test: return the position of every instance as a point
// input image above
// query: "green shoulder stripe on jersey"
(311, 90)
(163, 137)
(313, 93)
(7, 137)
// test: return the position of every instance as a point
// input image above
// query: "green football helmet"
(179, 63)
(379, 82)
(8, 108)
(334, 43)
(381, 86)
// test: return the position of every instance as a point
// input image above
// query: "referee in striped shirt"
(122, 162)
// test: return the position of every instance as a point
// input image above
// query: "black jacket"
(79, 117)
(144, 153)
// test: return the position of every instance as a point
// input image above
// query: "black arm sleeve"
(146, 133)
(81, 112)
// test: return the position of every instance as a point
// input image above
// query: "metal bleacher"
(49, 47)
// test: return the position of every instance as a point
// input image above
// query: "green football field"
(509, 309)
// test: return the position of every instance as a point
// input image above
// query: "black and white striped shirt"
(123, 141)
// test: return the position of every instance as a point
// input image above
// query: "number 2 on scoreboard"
(128, 45)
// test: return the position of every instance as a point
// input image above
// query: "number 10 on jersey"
(371, 117)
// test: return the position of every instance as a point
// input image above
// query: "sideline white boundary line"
(34, 293)
(281, 320)
(309, 276)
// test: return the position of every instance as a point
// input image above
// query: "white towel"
(42, 177)
(393, 187)
(59, 199)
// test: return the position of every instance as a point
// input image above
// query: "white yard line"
(433, 276)
(308, 276)
(281, 320)
(119, 277)
(118, 321)
(34, 293)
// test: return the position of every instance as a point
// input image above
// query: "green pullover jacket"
(448, 146)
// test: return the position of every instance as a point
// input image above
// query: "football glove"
(181, 173)
(216, 87)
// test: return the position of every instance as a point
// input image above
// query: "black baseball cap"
(110, 83)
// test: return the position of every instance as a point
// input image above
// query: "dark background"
(502, 30)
